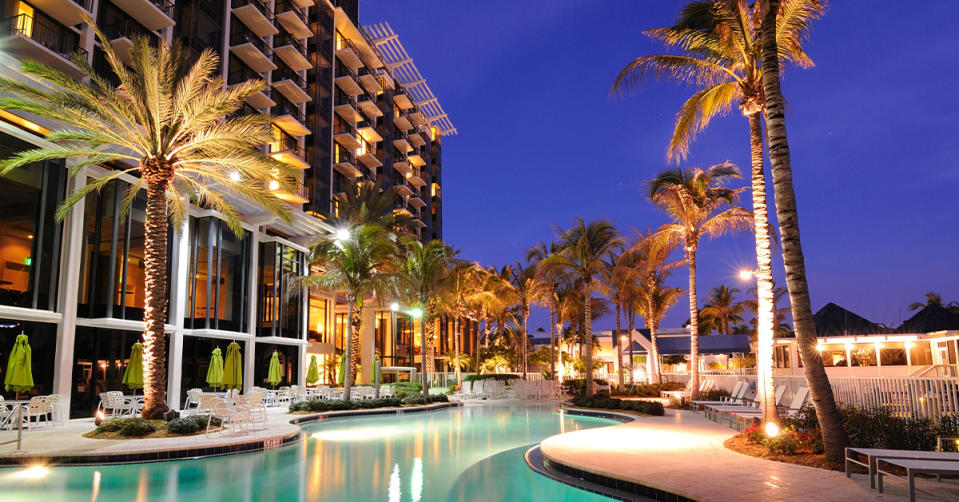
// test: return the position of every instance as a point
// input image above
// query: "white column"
(179, 285)
(69, 285)
(250, 346)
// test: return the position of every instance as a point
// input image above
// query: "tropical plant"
(701, 205)
(371, 204)
(783, 328)
(775, 15)
(620, 279)
(653, 263)
(362, 264)
(932, 298)
(422, 273)
(722, 306)
(488, 307)
(529, 290)
(169, 125)
(655, 299)
(464, 288)
(583, 247)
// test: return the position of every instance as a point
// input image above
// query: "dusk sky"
(872, 128)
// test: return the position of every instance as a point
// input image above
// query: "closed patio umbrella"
(214, 374)
(274, 376)
(233, 368)
(19, 375)
(313, 371)
(133, 375)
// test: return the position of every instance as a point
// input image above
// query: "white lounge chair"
(730, 409)
(738, 396)
(798, 401)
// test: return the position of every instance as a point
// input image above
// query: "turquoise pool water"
(459, 454)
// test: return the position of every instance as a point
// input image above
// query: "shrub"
(415, 400)
(714, 395)
(490, 376)
(878, 428)
(648, 390)
(407, 389)
(578, 385)
(611, 403)
(190, 425)
(112, 425)
(136, 427)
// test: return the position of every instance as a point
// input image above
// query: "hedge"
(611, 403)
(491, 376)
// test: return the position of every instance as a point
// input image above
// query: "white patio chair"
(233, 418)
(257, 409)
(192, 400)
(37, 412)
(55, 412)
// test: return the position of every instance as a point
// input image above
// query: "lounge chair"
(731, 409)
(704, 386)
(913, 467)
(737, 396)
(874, 455)
(798, 401)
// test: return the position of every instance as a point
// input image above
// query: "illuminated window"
(24, 19)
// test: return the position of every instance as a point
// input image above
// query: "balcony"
(345, 106)
(252, 50)
(65, 11)
(368, 106)
(414, 179)
(345, 164)
(286, 148)
(121, 36)
(291, 84)
(368, 132)
(369, 81)
(152, 14)
(256, 15)
(402, 122)
(345, 135)
(367, 155)
(240, 73)
(416, 159)
(416, 139)
(291, 17)
(347, 52)
(289, 117)
(403, 189)
(291, 51)
(42, 39)
(346, 80)
(418, 118)
(400, 142)
(295, 194)
(402, 100)
(403, 167)
(416, 201)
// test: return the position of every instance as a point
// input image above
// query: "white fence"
(447, 378)
(916, 397)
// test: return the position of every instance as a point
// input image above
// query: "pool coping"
(594, 482)
(192, 452)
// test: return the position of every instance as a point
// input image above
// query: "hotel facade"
(349, 107)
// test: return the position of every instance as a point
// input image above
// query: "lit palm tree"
(171, 126)
(422, 273)
(775, 15)
(721, 305)
(371, 204)
(529, 290)
(551, 296)
(488, 307)
(653, 251)
(583, 248)
(619, 279)
(782, 313)
(363, 265)
(699, 203)
(656, 298)
(464, 287)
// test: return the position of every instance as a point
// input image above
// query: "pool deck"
(682, 453)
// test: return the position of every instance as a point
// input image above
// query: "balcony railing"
(127, 28)
(260, 6)
(343, 127)
(288, 6)
(242, 36)
(165, 6)
(344, 99)
(246, 109)
(240, 73)
(286, 143)
(283, 72)
(284, 107)
(285, 38)
(343, 70)
(46, 32)
(344, 155)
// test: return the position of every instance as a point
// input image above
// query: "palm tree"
(583, 248)
(695, 200)
(721, 304)
(422, 272)
(551, 294)
(653, 251)
(371, 204)
(719, 41)
(171, 126)
(619, 277)
(775, 15)
(781, 313)
(464, 288)
(932, 298)
(528, 290)
(656, 298)
(489, 306)
(362, 265)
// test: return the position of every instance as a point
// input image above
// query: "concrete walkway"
(683, 453)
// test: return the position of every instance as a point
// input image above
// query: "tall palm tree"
(464, 288)
(170, 125)
(583, 248)
(362, 265)
(489, 307)
(653, 251)
(551, 296)
(774, 15)
(529, 290)
(720, 54)
(721, 304)
(619, 278)
(371, 204)
(701, 205)
(932, 298)
(422, 273)
(782, 313)
(656, 298)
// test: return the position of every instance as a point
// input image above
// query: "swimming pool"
(457, 454)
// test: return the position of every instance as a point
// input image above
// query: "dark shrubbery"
(578, 385)
(338, 404)
(128, 427)
(491, 376)
(191, 425)
(437, 398)
(714, 395)
(611, 403)
(406, 389)
(878, 428)
(649, 390)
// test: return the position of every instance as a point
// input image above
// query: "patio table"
(873, 455)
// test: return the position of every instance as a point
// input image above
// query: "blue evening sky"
(872, 128)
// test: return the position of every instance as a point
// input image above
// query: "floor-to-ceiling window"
(280, 304)
(43, 346)
(218, 277)
(196, 361)
(29, 233)
(319, 311)
(289, 357)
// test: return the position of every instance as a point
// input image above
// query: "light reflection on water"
(461, 454)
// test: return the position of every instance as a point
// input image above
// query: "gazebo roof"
(833, 320)
(931, 318)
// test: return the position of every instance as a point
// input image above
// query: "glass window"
(289, 356)
(863, 354)
(892, 354)
(319, 310)
(43, 349)
(920, 353)
(196, 361)
(29, 233)
(219, 265)
(280, 306)
(339, 323)
(834, 355)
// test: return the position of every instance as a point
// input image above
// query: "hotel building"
(350, 107)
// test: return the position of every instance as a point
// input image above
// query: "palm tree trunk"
(693, 325)
(630, 319)
(456, 351)
(651, 324)
(588, 329)
(552, 344)
(424, 354)
(834, 438)
(356, 321)
(619, 343)
(350, 349)
(154, 315)
(765, 317)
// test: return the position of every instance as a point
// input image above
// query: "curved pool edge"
(596, 482)
(222, 446)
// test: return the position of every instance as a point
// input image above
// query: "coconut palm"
(362, 265)
(653, 251)
(171, 126)
(464, 287)
(655, 300)
(620, 279)
(782, 313)
(371, 204)
(775, 15)
(421, 276)
(488, 307)
(551, 296)
(721, 305)
(701, 205)
(583, 247)
(529, 290)
(932, 298)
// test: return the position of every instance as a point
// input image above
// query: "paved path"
(683, 453)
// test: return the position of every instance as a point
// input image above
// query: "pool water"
(458, 454)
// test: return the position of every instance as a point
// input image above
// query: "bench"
(873, 455)
(913, 467)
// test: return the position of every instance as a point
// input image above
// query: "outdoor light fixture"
(99, 417)
(274, 185)
(772, 429)
(416, 313)
(746, 274)
(342, 234)
(820, 347)
(394, 306)
(235, 176)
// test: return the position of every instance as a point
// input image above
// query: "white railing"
(447, 378)
(914, 397)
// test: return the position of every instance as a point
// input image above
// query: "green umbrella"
(233, 369)
(341, 374)
(214, 374)
(133, 375)
(274, 376)
(313, 372)
(376, 358)
(19, 374)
